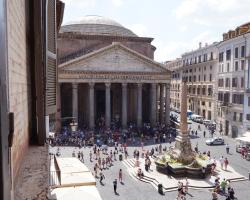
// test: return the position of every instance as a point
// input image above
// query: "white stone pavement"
(170, 183)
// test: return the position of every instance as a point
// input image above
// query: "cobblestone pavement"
(136, 190)
(32, 182)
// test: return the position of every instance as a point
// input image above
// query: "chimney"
(200, 44)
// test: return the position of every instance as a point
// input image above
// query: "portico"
(124, 89)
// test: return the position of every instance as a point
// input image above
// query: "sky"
(177, 26)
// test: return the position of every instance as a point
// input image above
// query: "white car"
(215, 141)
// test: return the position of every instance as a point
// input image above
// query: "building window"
(211, 56)
(242, 51)
(203, 91)
(209, 115)
(241, 117)
(210, 77)
(199, 69)
(227, 82)
(236, 52)
(221, 55)
(203, 103)
(205, 68)
(248, 117)
(209, 90)
(211, 67)
(238, 98)
(194, 78)
(198, 90)
(228, 54)
(193, 90)
(242, 64)
(235, 116)
(199, 59)
(209, 104)
(221, 82)
(204, 77)
(228, 67)
(249, 101)
(236, 65)
(242, 82)
(190, 78)
(199, 78)
(234, 82)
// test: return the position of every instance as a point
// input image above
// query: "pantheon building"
(105, 70)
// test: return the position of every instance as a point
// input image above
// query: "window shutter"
(51, 67)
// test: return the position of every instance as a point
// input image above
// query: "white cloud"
(227, 13)
(171, 50)
(117, 2)
(139, 29)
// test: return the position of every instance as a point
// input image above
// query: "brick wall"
(19, 79)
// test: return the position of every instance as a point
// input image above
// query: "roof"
(97, 25)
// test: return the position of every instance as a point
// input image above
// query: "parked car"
(215, 141)
(197, 118)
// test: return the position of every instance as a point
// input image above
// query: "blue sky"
(177, 26)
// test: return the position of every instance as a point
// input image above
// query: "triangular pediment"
(114, 58)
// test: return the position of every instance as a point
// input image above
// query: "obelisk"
(183, 150)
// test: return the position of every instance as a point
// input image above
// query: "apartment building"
(175, 86)
(234, 81)
(199, 68)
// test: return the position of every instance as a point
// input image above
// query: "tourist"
(140, 173)
(120, 175)
(100, 162)
(204, 134)
(221, 162)
(101, 177)
(82, 157)
(231, 193)
(223, 185)
(214, 195)
(226, 163)
(95, 170)
(203, 171)
(103, 163)
(186, 185)
(227, 148)
(115, 185)
(90, 156)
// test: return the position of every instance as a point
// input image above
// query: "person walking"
(204, 134)
(102, 177)
(227, 149)
(221, 162)
(226, 163)
(120, 175)
(90, 156)
(115, 185)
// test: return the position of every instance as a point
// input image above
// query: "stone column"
(124, 105)
(167, 105)
(91, 105)
(162, 103)
(107, 105)
(75, 101)
(153, 96)
(139, 105)
(183, 117)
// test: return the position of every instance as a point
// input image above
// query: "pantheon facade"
(105, 70)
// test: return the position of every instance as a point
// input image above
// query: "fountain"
(182, 160)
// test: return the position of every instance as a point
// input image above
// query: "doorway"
(100, 103)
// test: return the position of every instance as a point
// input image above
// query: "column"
(139, 105)
(162, 103)
(75, 101)
(153, 100)
(91, 105)
(107, 105)
(124, 105)
(167, 105)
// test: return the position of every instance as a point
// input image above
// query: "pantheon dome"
(97, 25)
